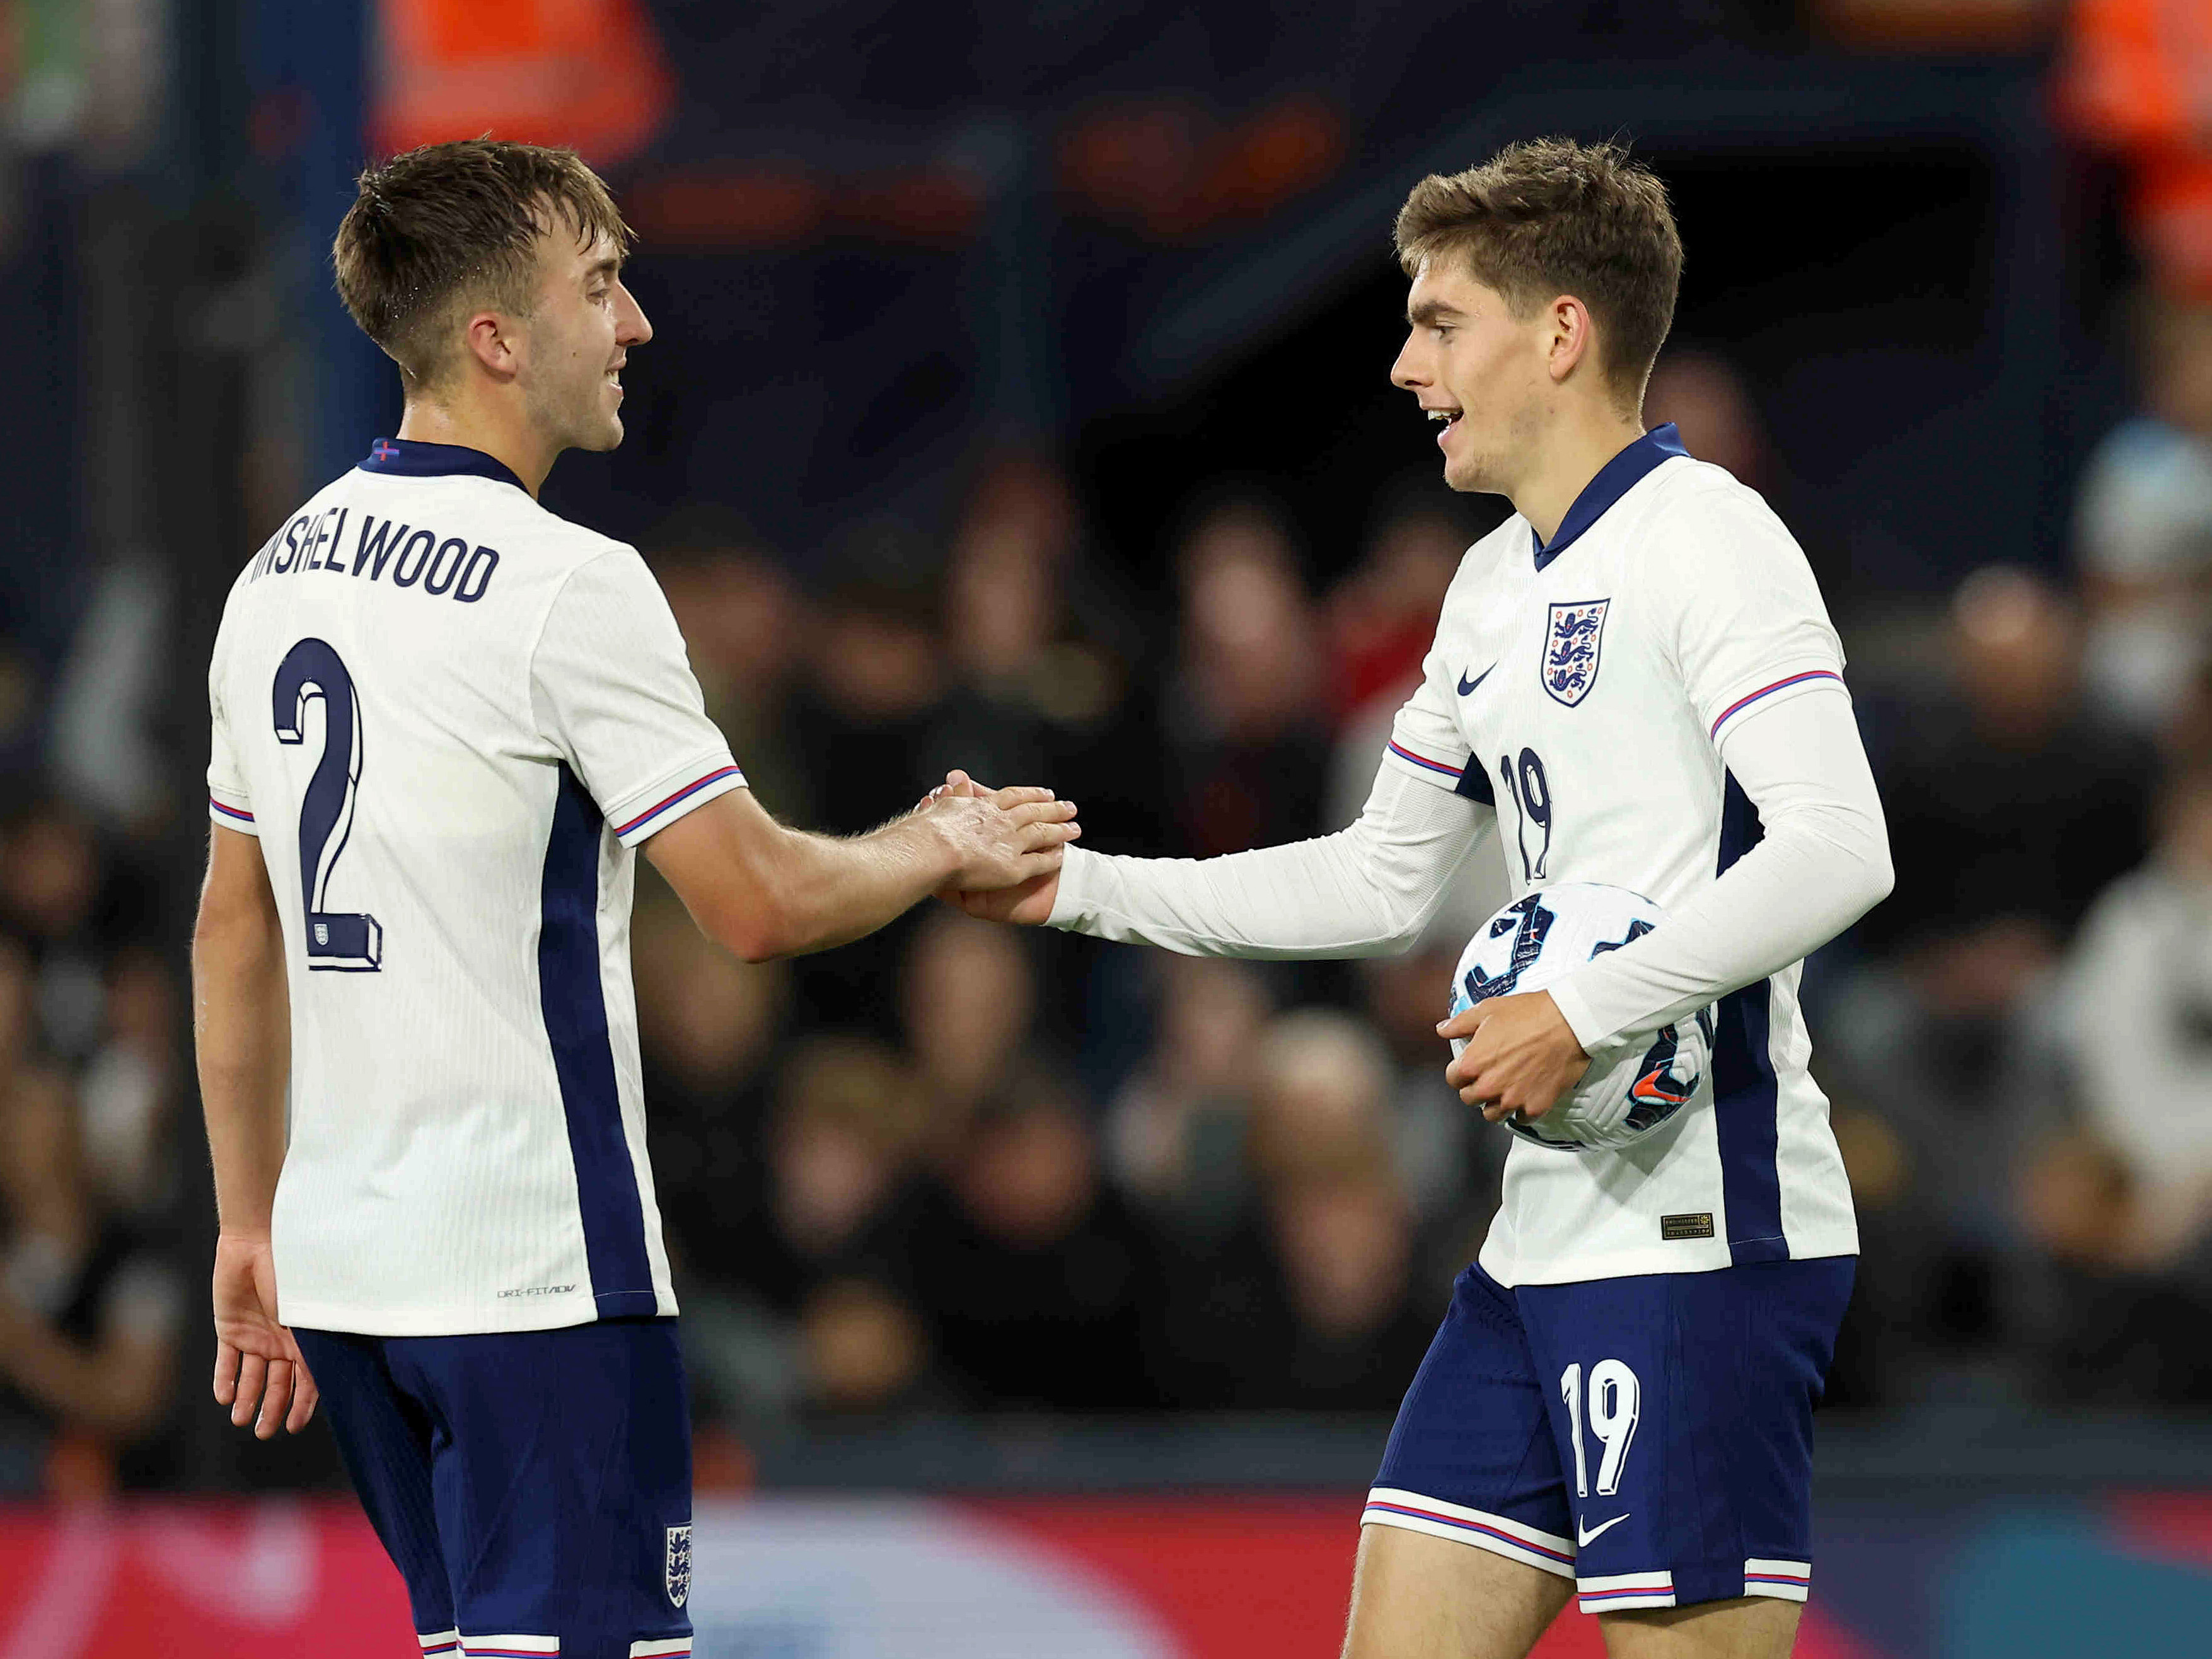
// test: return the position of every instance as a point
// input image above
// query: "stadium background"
(1018, 402)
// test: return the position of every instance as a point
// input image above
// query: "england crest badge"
(679, 1564)
(1571, 641)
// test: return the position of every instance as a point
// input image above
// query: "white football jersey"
(450, 716)
(1585, 689)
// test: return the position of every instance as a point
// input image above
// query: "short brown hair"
(450, 224)
(1550, 216)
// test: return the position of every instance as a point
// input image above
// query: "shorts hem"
(1785, 1581)
(1618, 1592)
(1500, 1534)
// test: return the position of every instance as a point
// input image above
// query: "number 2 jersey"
(1586, 689)
(450, 716)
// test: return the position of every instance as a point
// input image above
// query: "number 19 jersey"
(1587, 690)
(450, 716)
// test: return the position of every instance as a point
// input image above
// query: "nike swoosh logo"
(1585, 1540)
(1466, 686)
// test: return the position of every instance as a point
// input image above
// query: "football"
(1629, 1089)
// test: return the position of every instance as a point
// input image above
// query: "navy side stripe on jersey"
(575, 1002)
(1745, 1102)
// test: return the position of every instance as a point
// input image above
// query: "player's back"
(437, 703)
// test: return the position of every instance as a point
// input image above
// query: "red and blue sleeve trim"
(683, 794)
(230, 811)
(1742, 703)
(1406, 754)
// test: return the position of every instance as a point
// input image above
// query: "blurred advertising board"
(1196, 1577)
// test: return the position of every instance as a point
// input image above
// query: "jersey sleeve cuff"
(1581, 1018)
(233, 812)
(1067, 899)
(646, 812)
(1766, 690)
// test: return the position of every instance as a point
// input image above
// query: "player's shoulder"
(1701, 518)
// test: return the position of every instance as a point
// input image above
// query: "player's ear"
(1571, 338)
(491, 343)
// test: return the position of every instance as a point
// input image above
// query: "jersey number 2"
(339, 941)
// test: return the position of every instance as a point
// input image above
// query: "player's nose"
(631, 326)
(1407, 373)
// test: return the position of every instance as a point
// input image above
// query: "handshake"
(1006, 844)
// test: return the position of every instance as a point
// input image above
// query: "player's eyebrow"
(1429, 313)
(609, 266)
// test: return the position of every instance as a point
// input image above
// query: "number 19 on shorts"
(1613, 1397)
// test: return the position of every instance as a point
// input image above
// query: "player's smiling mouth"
(1448, 418)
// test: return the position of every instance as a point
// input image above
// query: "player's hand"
(1026, 903)
(1520, 1056)
(258, 1372)
(1001, 839)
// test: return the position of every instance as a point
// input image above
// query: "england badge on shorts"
(679, 1564)
(1570, 646)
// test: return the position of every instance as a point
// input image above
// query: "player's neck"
(1573, 452)
(499, 432)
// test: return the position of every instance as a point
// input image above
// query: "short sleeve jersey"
(1587, 688)
(451, 717)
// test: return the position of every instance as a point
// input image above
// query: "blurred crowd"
(957, 1167)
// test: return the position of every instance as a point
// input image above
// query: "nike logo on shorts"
(1585, 1540)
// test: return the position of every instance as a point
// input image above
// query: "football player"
(1633, 682)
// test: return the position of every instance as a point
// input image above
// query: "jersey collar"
(1614, 479)
(410, 457)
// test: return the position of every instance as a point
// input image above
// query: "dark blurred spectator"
(2136, 1013)
(1248, 747)
(1024, 668)
(1383, 616)
(863, 1351)
(1705, 393)
(1449, 1161)
(2143, 528)
(2009, 806)
(967, 1001)
(1037, 1280)
(1175, 1134)
(1702, 393)
(51, 891)
(1044, 658)
(128, 1092)
(1314, 1299)
(1380, 620)
(878, 674)
(793, 1309)
(744, 624)
(707, 1023)
(89, 1317)
(1344, 1248)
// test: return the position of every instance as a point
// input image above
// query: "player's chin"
(603, 435)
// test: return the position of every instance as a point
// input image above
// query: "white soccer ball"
(1630, 1089)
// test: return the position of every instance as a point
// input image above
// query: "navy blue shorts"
(533, 1487)
(1650, 1438)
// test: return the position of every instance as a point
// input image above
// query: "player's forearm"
(834, 891)
(241, 1027)
(1823, 863)
(1366, 890)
